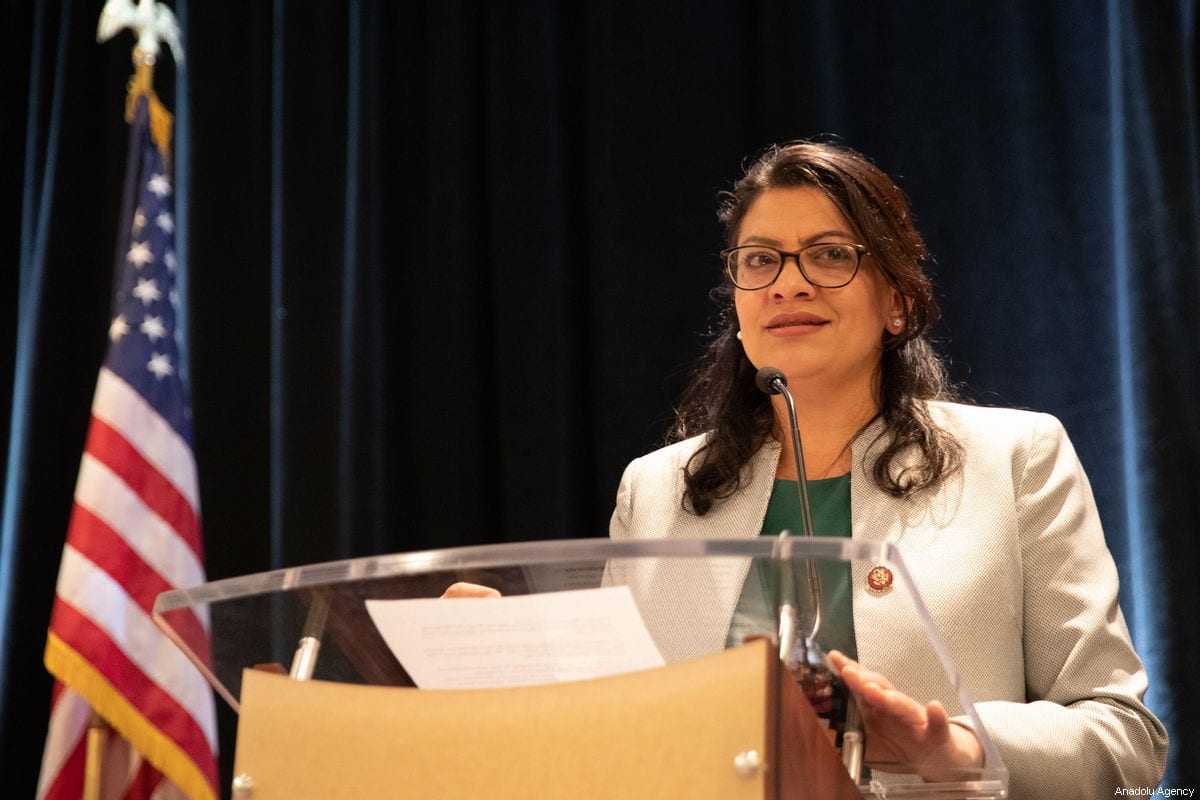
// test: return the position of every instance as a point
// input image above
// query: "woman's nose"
(791, 281)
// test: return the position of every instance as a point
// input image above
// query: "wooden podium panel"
(672, 732)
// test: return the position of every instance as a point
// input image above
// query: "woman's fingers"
(856, 676)
(464, 589)
(879, 703)
(878, 696)
(900, 729)
(936, 715)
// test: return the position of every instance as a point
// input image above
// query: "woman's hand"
(463, 589)
(899, 729)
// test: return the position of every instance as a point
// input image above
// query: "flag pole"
(165, 714)
(153, 24)
(98, 729)
(93, 771)
(141, 83)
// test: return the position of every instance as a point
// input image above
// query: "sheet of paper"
(473, 643)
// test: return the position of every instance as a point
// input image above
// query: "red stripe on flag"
(106, 444)
(144, 782)
(160, 708)
(105, 547)
(68, 784)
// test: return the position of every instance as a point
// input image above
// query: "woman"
(990, 506)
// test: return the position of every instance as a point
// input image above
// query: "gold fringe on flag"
(142, 84)
(74, 670)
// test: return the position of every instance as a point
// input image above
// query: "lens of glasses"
(826, 265)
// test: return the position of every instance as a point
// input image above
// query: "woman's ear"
(897, 318)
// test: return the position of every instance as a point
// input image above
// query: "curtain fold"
(1156, 216)
(447, 268)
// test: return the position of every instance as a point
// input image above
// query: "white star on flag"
(160, 365)
(147, 291)
(165, 222)
(169, 259)
(118, 328)
(159, 185)
(153, 328)
(140, 255)
(139, 220)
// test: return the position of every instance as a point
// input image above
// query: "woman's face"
(828, 339)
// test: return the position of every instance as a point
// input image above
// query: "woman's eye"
(835, 252)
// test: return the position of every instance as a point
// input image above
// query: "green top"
(830, 501)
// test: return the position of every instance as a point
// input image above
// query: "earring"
(898, 322)
(739, 335)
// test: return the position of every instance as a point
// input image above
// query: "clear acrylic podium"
(325, 704)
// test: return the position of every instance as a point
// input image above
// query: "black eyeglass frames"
(828, 265)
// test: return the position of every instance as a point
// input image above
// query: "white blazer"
(1008, 555)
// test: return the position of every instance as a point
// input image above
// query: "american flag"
(134, 532)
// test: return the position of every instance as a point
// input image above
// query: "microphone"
(772, 381)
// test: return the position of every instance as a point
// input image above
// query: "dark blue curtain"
(447, 266)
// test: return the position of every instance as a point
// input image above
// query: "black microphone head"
(770, 380)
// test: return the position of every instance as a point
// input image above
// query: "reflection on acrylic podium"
(724, 717)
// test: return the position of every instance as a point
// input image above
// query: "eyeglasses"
(829, 265)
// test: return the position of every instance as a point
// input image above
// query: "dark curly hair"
(722, 399)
